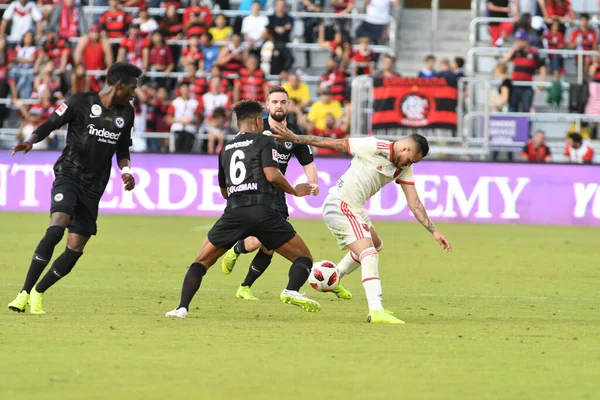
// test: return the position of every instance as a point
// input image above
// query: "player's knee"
(60, 219)
(54, 235)
(251, 244)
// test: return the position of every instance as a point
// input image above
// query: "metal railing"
(501, 51)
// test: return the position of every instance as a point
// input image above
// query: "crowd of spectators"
(47, 51)
(532, 25)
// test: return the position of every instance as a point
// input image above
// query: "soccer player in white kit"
(375, 163)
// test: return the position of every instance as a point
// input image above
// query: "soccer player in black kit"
(99, 125)
(249, 178)
(278, 104)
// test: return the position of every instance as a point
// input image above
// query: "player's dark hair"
(246, 109)
(122, 72)
(278, 89)
(422, 144)
(576, 138)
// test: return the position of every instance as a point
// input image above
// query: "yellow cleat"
(35, 303)
(244, 292)
(229, 261)
(20, 302)
(383, 317)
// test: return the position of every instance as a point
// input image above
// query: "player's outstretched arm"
(418, 209)
(276, 178)
(284, 134)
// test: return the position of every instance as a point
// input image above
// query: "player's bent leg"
(295, 250)
(209, 254)
(247, 245)
(258, 266)
(41, 257)
(61, 267)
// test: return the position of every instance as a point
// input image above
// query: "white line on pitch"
(202, 228)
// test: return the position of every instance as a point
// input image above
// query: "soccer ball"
(324, 276)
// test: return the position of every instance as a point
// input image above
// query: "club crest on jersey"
(119, 122)
(288, 145)
(61, 110)
(275, 155)
(58, 198)
(365, 227)
(96, 111)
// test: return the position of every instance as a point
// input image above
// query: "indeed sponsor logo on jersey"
(244, 187)
(283, 158)
(243, 143)
(103, 135)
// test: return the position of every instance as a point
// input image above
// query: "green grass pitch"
(512, 313)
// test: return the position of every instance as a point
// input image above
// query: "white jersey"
(371, 169)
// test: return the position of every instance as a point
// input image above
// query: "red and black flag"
(414, 103)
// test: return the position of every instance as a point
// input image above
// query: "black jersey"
(286, 149)
(93, 136)
(241, 164)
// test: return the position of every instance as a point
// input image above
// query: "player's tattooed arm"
(284, 134)
(421, 215)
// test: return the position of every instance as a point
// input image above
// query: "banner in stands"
(414, 103)
(506, 132)
(451, 191)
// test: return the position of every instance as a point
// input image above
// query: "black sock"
(42, 256)
(60, 268)
(191, 284)
(299, 272)
(259, 264)
(239, 247)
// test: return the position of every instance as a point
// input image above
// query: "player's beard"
(279, 116)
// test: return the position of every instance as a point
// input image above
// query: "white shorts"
(347, 224)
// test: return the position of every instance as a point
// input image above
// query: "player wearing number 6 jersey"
(249, 178)
(375, 163)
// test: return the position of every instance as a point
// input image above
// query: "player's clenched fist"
(303, 189)
(128, 181)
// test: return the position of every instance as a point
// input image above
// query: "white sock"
(370, 278)
(348, 264)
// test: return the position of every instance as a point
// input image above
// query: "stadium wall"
(451, 191)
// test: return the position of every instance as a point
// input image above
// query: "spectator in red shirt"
(192, 53)
(231, 57)
(132, 47)
(251, 85)
(68, 20)
(158, 57)
(555, 40)
(115, 23)
(95, 53)
(576, 151)
(499, 30)
(57, 50)
(343, 7)
(335, 80)
(333, 132)
(536, 150)
(4, 86)
(585, 38)
(561, 10)
(363, 58)
(171, 25)
(197, 19)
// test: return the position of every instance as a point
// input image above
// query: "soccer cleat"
(177, 313)
(229, 261)
(244, 292)
(35, 303)
(341, 292)
(383, 317)
(300, 300)
(20, 302)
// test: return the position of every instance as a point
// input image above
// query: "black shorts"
(282, 206)
(69, 197)
(265, 223)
